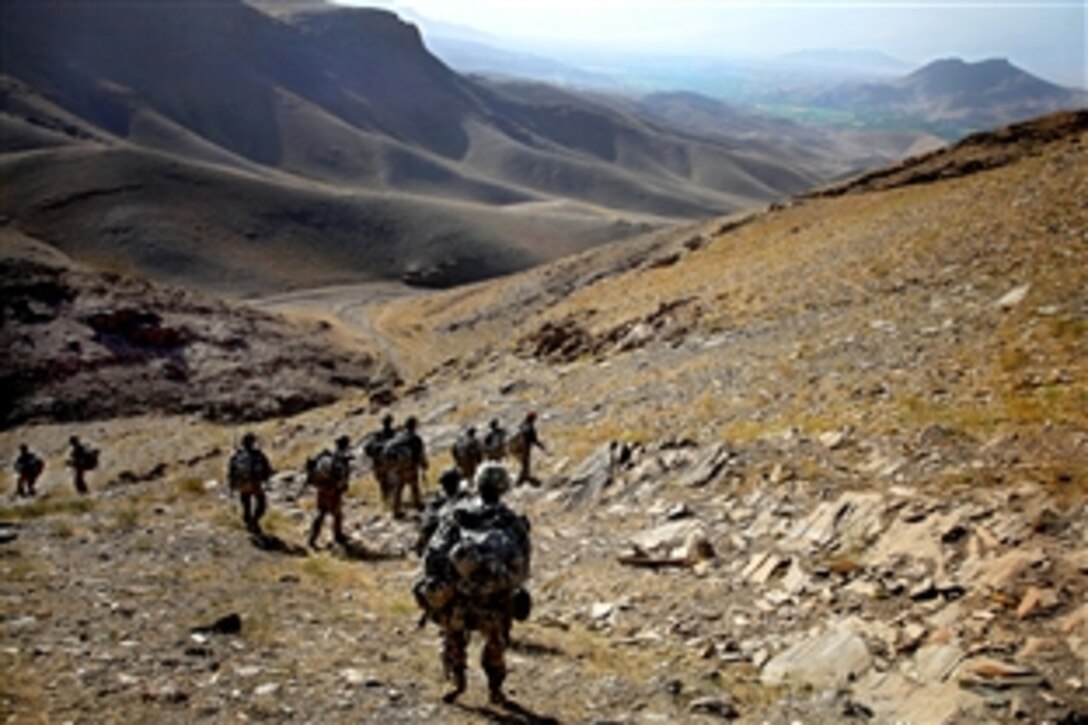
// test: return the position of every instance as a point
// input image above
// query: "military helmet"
(249, 440)
(411, 423)
(343, 442)
(450, 480)
(531, 416)
(471, 430)
(492, 481)
(387, 419)
(74, 440)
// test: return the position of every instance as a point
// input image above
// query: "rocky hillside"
(827, 462)
(80, 344)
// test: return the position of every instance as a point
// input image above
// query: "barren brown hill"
(825, 463)
(81, 345)
(332, 134)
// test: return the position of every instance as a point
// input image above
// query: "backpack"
(466, 452)
(398, 451)
(495, 443)
(328, 471)
(480, 552)
(374, 444)
(245, 469)
(518, 444)
(87, 458)
(31, 466)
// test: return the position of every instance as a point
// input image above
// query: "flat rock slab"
(827, 660)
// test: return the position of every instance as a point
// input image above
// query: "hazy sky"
(1045, 37)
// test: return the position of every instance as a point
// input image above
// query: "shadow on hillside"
(511, 712)
(356, 551)
(275, 545)
(535, 649)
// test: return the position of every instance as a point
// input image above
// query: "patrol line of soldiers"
(469, 451)
(491, 614)
(398, 461)
(29, 467)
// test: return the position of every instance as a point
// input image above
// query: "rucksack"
(398, 451)
(374, 444)
(328, 471)
(517, 445)
(245, 469)
(87, 459)
(31, 466)
(478, 551)
(495, 443)
(466, 452)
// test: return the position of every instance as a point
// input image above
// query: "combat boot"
(458, 679)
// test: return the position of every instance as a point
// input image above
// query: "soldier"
(521, 447)
(495, 442)
(247, 473)
(329, 473)
(492, 614)
(28, 467)
(406, 457)
(81, 459)
(374, 447)
(468, 453)
(451, 493)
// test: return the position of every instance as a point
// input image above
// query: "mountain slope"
(340, 108)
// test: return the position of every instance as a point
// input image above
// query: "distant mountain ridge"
(978, 95)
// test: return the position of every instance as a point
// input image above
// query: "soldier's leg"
(247, 513)
(523, 474)
(338, 520)
(315, 528)
(493, 659)
(81, 484)
(396, 482)
(32, 486)
(258, 512)
(455, 660)
(417, 499)
(20, 486)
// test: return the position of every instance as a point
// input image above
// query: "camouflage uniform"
(493, 623)
(406, 470)
(521, 446)
(437, 507)
(27, 469)
(373, 447)
(494, 446)
(330, 494)
(460, 611)
(81, 459)
(468, 454)
(251, 490)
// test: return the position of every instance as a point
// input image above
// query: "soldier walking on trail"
(451, 492)
(374, 448)
(475, 566)
(81, 458)
(406, 458)
(28, 467)
(468, 454)
(521, 447)
(495, 442)
(329, 473)
(247, 473)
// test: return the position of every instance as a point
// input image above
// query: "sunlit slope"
(955, 296)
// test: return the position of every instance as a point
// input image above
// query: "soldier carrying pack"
(329, 472)
(475, 567)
